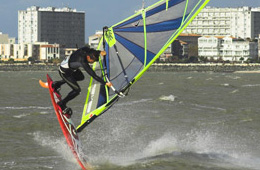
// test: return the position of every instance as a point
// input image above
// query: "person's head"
(93, 56)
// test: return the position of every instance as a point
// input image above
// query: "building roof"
(219, 37)
(50, 45)
(52, 9)
(182, 42)
(96, 35)
(190, 35)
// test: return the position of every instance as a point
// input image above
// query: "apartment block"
(259, 47)
(64, 26)
(95, 39)
(227, 48)
(243, 22)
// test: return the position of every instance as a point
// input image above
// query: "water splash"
(221, 151)
(60, 146)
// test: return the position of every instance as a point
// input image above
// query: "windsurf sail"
(132, 45)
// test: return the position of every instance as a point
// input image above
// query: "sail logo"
(110, 37)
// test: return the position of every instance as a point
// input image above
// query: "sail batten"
(132, 46)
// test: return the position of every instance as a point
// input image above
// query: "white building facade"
(227, 48)
(238, 49)
(209, 46)
(95, 39)
(63, 26)
(259, 48)
(49, 51)
(241, 22)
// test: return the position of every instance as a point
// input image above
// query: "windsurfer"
(70, 73)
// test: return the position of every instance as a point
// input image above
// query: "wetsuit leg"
(57, 84)
(71, 80)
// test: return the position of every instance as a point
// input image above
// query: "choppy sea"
(169, 121)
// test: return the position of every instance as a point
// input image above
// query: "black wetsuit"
(70, 73)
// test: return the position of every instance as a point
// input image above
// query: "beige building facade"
(39, 51)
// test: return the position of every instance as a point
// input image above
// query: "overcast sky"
(98, 13)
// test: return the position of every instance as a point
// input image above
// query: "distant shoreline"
(156, 67)
(205, 67)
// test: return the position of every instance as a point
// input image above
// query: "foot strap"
(67, 111)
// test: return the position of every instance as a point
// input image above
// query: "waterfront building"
(49, 51)
(191, 43)
(209, 46)
(69, 51)
(3, 38)
(227, 48)
(39, 51)
(243, 22)
(259, 48)
(177, 49)
(5, 51)
(95, 39)
(64, 26)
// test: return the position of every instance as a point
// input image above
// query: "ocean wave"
(220, 150)
(234, 91)
(209, 107)
(168, 98)
(24, 108)
(134, 102)
(21, 115)
(251, 85)
(234, 77)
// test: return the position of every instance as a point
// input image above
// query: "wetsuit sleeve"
(90, 71)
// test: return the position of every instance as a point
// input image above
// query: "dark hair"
(94, 55)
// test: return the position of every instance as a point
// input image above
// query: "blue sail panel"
(157, 27)
(136, 50)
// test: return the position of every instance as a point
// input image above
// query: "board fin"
(43, 84)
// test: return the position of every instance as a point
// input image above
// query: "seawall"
(28, 67)
(157, 67)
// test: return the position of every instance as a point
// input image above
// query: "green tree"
(55, 61)
(31, 60)
(11, 61)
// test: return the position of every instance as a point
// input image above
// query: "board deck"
(67, 126)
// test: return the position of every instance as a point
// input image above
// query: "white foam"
(225, 85)
(251, 85)
(24, 108)
(209, 107)
(21, 115)
(168, 98)
(235, 91)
